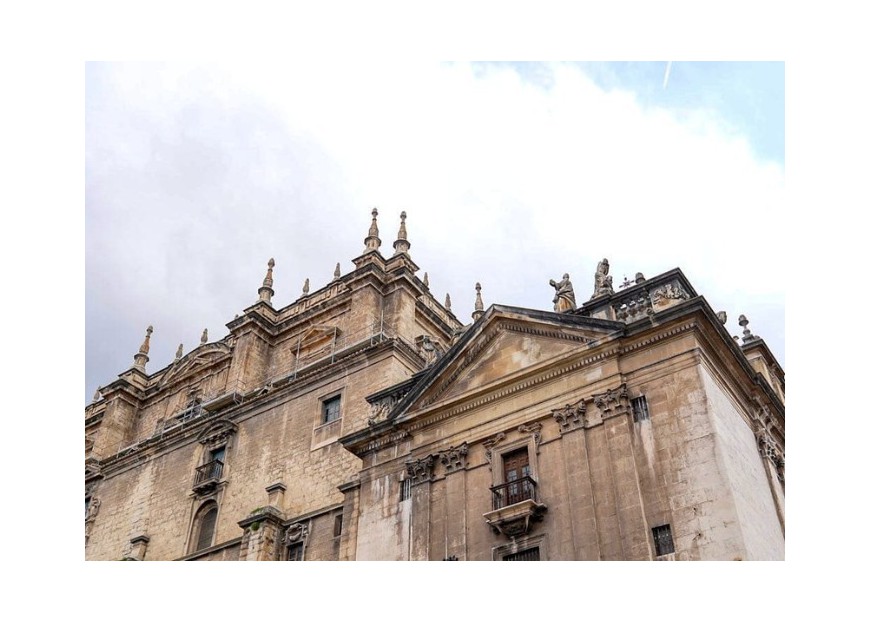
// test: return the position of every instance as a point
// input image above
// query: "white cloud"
(197, 176)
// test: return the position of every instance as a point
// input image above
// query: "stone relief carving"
(421, 470)
(669, 291)
(93, 509)
(382, 407)
(534, 429)
(612, 401)
(571, 417)
(635, 308)
(218, 433)
(490, 443)
(454, 459)
(295, 533)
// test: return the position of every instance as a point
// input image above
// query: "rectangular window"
(336, 527)
(663, 540)
(294, 552)
(529, 555)
(639, 408)
(405, 490)
(517, 473)
(331, 409)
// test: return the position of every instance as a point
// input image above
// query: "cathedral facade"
(365, 421)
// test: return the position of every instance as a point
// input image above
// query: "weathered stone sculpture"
(603, 282)
(564, 299)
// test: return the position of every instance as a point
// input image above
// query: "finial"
(402, 245)
(146, 345)
(426, 280)
(179, 352)
(305, 288)
(447, 301)
(141, 357)
(722, 317)
(639, 277)
(373, 242)
(478, 304)
(204, 338)
(747, 336)
(97, 395)
(266, 292)
(337, 273)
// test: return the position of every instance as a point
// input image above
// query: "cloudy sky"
(511, 174)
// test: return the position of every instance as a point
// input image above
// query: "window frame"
(644, 414)
(324, 404)
(664, 529)
(196, 529)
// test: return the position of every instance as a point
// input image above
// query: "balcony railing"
(518, 490)
(208, 472)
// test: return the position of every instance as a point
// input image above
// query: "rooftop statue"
(603, 282)
(564, 299)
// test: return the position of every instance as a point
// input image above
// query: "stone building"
(365, 421)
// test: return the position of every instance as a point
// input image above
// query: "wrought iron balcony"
(515, 506)
(518, 490)
(208, 475)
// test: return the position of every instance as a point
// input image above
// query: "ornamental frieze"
(669, 292)
(490, 443)
(381, 408)
(534, 429)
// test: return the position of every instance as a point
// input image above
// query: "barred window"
(529, 555)
(639, 408)
(663, 540)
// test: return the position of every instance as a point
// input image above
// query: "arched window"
(204, 525)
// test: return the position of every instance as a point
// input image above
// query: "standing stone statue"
(603, 282)
(564, 299)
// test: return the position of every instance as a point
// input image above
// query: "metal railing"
(515, 491)
(208, 471)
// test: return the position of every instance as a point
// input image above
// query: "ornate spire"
(447, 301)
(337, 273)
(204, 338)
(305, 288)
(747, 336)
(266, 292)
(141, 357)
(402, 245)
(426, 280)
(179, 352)
(373, 242)
(478, 304)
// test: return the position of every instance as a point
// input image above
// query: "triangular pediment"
(506, 345)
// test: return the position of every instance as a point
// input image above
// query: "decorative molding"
(669, 291)
(295, 533)
(613, 402)
(534, 429)
(380, 409)
(201, 356)
(454, 459)
(93, 509)
(571, 416)
(421, 470)
(634, 308)
(218, 433)
(490, 443)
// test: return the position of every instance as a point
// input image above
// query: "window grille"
(529, 555)
(332, 409)
(663, 540)
(639, 408)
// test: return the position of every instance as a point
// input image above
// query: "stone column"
(261, 540)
